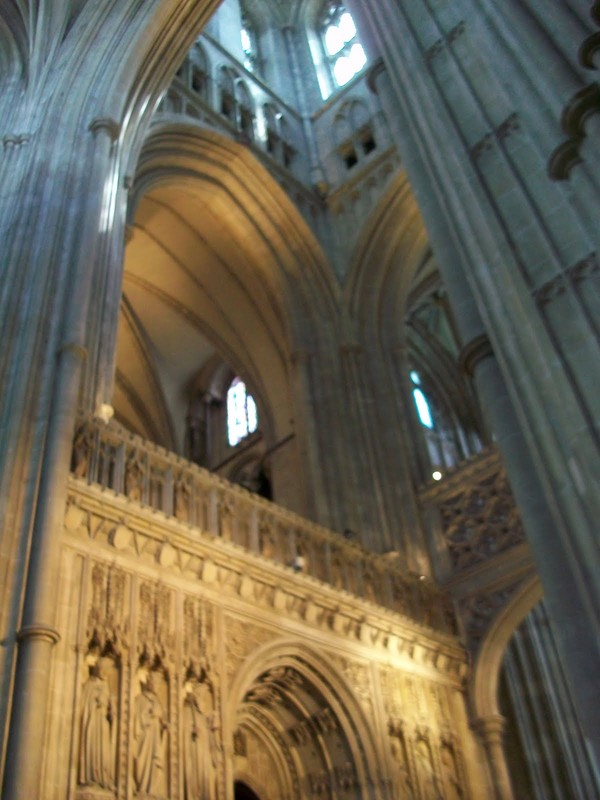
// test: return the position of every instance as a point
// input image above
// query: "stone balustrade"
(113, 458)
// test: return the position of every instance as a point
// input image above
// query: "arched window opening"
(249, 45)
(344, 52)
(245, 111)
(272, 138)
(421, 402)
(227, 93)
(200, 71)
(242, 414)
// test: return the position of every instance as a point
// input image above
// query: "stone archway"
(297, 731)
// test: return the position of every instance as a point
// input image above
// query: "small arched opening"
(241, 791)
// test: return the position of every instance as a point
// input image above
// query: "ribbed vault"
(220, 265)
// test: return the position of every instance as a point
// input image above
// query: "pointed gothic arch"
(299, 702)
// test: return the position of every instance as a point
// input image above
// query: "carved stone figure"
(452, 785)
(149, 761)
(133, 479)
(96, 754)
(403, 785)
(81, 454)
(182, 501)
(199, 741)
(427, 778)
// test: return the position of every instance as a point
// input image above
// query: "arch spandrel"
(392, 248)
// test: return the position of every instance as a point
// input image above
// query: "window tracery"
(343, 49)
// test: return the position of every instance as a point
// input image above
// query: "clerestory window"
(242, 414)
(249, 46)
(421, 402)
(344, 52)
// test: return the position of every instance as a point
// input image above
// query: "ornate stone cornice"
(475, 351)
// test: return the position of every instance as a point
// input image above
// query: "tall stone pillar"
(517, 251)
(73, 117)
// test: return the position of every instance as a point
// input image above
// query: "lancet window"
(242, 414)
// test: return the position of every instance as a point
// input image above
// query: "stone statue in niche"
(226, 518)
(452, 787)
(150, 724)
(96, 745)
(81, 453)
(182, 501)
(427, 777)
(200, 741)
(403, 784)
(266, 541)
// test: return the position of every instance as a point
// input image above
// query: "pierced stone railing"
(113, 458)
(477, 515)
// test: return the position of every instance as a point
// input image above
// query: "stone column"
(543, 709)
(510, 243)
(491, 733)
(66, 104)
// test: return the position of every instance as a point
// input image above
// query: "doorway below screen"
(243, 792)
